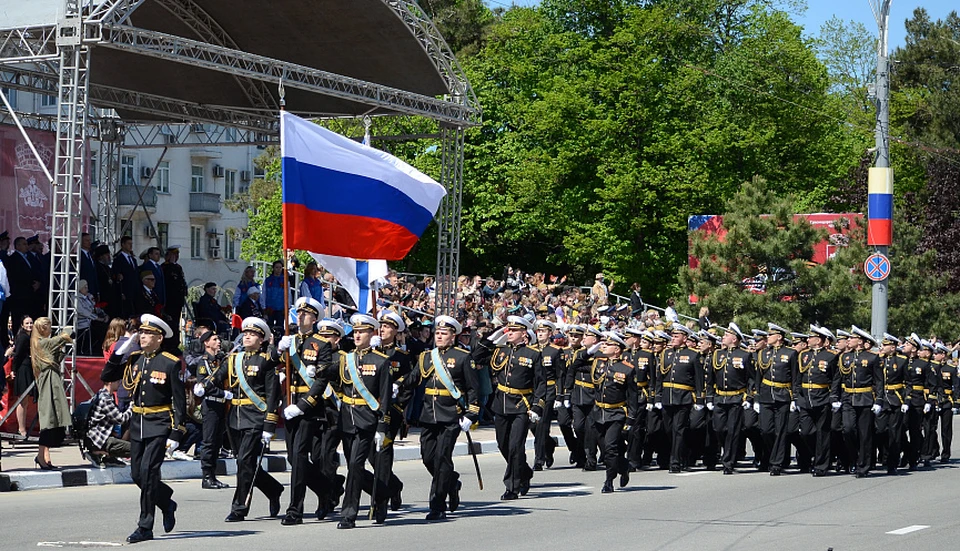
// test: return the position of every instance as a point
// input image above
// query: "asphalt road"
(563, 511)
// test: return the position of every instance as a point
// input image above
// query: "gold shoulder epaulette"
(379, 353)
(464, 350)
(171, 356)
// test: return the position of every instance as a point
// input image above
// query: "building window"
(11, 97)
(163, 234)
(229, 184)
(259, 173)
(230, 135)
(196, 179)
(231, 253)
(128, 176)
(94, 172)
(196, 242)
(162, 178)
(48, 100)
(127, 226)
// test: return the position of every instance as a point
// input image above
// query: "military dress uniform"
(578, 384)
(563, 411)
(158, 401)
(252, 379)
(861, 385)
(213, 412)
(815, 388)
(679, 383)
(775, 369)
(947, 390)
(440, 416)
(919, 378)
(890, 419)
(400, 362)
(644, 363)
(729, 387)
(543, 443)
(614, 411)
(931, 445)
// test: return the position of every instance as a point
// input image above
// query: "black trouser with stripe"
(612, 447)
(146, 458)
(586, 433)
(815, 431)
(774, 419)
(213, 428)
(728, 424)
(436, 451)
(247, 445)
(511, 441)
(858, 435)
(676, 421)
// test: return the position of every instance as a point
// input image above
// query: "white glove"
(876, 409)
(746, 406)
(697, 407)
(282, 376)
(835, 406)
(495, 335)
(501, 340)
(793, 406)
(566, 403)
(127, 346)
(266, 437)
(378, 440)
(593, 349)
(227, 395)
(557, 404)
(375, 342)
(956, 411)
(286, 342)
(756, 407)
(710, 406)
(172, 445)
(649, 406)
(311, 371)
(904, 408)
(465, 424)
(658, 405)
(291, 411)
(395, 392)
(927, 407)
(198, 390)
(533, 416)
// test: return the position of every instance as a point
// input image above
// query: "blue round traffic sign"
(877, 267)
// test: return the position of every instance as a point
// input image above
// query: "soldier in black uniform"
(543, 443)
(640, 355)
(159, 405)
(918, 380)
(730, 388)
(249, 377)
(392, 325)
(328, 485)
(890, 420)
(312, 369)
(947, 388)
(365, 386)
(703, 439)
(656, 440)
(679, 383)
(615, 410)
(450, 405)
(562, 405)
(861, 386)
(928, 451)
(213, 411)
(518, 401)
(776, 365)
(578, 385)
(815, 388)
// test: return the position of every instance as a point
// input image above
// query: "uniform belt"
(351, 401)
(679, 386)
(918, 387)
(515, 391)
(241, 401)
(731, 392)
(948, 392)
(216, 399)
(551, 383)
(436, 392)
(147, 410)
(816, 386)
(300, 389)
(895, 387)
(857, 390)
(644, 384)
(611, 406)
(584, 384)
(775, 384)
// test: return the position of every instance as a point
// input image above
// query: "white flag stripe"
(345, 270)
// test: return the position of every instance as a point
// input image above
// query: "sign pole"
(880, 211)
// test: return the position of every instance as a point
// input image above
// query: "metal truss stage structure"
(134, 69)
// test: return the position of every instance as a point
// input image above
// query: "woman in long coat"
(47, 357)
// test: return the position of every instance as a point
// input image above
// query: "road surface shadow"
(192, 534)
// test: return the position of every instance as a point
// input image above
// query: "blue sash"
(244, 385)
(358, 382)
(298, 363)
(443, 374)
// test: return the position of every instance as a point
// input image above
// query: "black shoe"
(538, 466)
(774, 471)
(589, 467)
(727, 470)
(674, 470)
(624, 480)
(210, 483)
(550, 461)
(139, 535)
(170, 517)
(892, 471)
(454, 497)
(436, 515)
(396, 500)
(818, 473)
(380, 514)
(322, 513)
(275, 504)
(927, 464)
(508, 496)
(861, 474)
(524, 487)
(290, 520)
(220, 485)
(346, 524)
(234, 517)
(607, 488)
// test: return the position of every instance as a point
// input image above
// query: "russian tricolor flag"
(346, 199)
(880, 207)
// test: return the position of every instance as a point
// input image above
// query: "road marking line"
(694, 473)
(78, 544)
(566, 490)
(908, 529)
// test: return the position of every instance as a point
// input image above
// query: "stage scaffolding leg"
(448, 218)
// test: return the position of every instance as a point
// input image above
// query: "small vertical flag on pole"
(880, 207)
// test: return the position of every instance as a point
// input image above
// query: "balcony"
(129, 196)
(204, 204)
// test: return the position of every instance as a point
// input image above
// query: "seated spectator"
(91, 321)
(208, 308)
(250, 306)
(105, 448)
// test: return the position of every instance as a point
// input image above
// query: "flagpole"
(286, 273)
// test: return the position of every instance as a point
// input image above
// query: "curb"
(186, 470)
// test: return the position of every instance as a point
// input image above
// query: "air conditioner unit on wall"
(198, 128)
(150, 231)
(218, 171)
(244, 175)
(146, 172)
(214, 254)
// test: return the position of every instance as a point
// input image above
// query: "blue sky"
(819, 11)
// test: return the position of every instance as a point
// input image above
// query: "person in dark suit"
(208, 308)
(175, 291)
(88, 266)
(147, 301)
(109, 290)
(151, 261)
(126, 274)
(41, 274)
(23, 283)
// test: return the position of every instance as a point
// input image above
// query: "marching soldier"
(929, 448)
(152, 379)
(579, 386)
(564, 408)
(615, 410)
(328, 485)
(366, 387)
(861, 383)
(392, 325)
(702, 436)
(890, 419)
(838, 445)
(751, 417)
(679, 383)
(311, 359)
(776, 365)
(657, 439)
(551, 356)
(249, 376)
(214, 408)
(449, 378)
(946, 399)
(815, 388)
(729, 391)
(919, 379)
(518, 401)
(639, 353)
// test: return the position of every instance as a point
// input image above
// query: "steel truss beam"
(226, 60)
(448, 218)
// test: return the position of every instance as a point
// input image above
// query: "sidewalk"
(20, 474)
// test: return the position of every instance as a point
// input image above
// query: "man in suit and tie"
(151, 262)
(125, 273)
(23, 284)
(41, 274)
(88, 266)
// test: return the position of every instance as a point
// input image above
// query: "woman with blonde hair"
(116, 330)
(46, 355)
